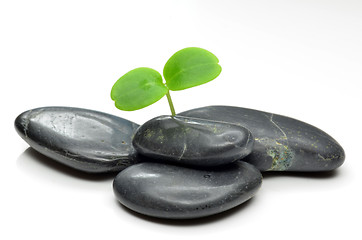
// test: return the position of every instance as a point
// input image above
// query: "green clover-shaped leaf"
(137, 89)
(190, 67)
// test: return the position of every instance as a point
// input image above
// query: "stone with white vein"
(281, 143)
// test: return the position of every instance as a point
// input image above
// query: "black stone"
(177, 192)
(281, 143)
(83, 139)
(192, 141)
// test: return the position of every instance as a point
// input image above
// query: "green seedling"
(142, 87)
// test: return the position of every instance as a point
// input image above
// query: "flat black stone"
(192, 141)
(83, 139)
(281, 143)
(177, 192)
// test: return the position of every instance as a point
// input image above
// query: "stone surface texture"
(281, 143)
(83, 139)
(176, 192)
(192, 141)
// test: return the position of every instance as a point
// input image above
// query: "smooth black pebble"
(83, 139)
(177, 192)
(281, 143)
(192, 141)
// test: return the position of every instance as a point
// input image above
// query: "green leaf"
(190, 67)
(137, 89)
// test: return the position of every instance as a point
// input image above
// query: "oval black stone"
(192, 141)
(83, 139)
(177, 192)
(281, 143)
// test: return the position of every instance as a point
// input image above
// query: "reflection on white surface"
(45, 169)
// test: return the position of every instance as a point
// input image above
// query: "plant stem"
(170, 103)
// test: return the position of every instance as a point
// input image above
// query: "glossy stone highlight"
(281, 143)
(192, 141)
(176, 192)
(83, 139)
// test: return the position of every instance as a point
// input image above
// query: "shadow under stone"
(313, 175)
(32, 155)
(190, 222)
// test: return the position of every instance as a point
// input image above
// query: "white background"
(300, 58)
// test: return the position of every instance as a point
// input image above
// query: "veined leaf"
(190, 67)
(137, 89)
